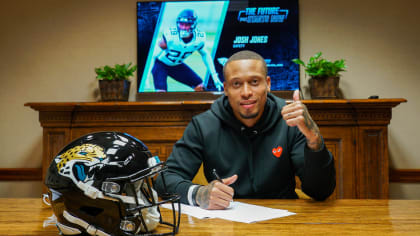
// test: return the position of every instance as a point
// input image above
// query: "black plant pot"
(114, 90)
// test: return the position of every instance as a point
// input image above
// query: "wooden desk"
(335, 217)
(355, 131)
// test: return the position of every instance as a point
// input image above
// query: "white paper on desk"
(190, 210)
(239, 211)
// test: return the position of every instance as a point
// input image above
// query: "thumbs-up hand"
(296, 95)
(296, 114)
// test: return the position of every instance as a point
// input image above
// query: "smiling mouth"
(248, 103)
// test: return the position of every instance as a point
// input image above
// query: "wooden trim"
(205, 104)
(404, 175)
(19, 174)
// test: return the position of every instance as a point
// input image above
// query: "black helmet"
(102, 184)
(188, 17)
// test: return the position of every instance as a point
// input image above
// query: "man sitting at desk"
(254, 141)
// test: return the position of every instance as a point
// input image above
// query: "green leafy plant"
(318, 67)
(118, 72)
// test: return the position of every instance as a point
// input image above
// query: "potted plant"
(324, 76)
(114, 83)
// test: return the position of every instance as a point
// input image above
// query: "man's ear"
(268, 83)
(224, 87)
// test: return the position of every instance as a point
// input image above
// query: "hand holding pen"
(217, 194)
(221, 181)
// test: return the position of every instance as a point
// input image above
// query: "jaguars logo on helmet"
(81, 159)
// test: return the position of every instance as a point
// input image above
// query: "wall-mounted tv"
(183, 45)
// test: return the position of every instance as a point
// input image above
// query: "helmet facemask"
(141, 205)
(185, 29)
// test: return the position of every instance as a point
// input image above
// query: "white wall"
(49, 49)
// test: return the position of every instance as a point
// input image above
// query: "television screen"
(183, 45)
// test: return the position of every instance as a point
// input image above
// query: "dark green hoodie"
(265, 157)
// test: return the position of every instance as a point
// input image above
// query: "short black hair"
(245, 55)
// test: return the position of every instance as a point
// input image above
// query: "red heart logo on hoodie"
(277, 151)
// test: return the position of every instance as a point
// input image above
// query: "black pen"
(217, 176)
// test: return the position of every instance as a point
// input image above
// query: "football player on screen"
(177, 44)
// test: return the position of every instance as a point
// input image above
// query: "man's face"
(184, 26)
(246, 86)
(185, 29)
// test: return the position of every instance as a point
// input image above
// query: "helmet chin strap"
(184, 33)
(90, 229)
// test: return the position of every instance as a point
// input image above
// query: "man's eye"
(236, 84)
(254, 82)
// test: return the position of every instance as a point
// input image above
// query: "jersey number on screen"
(177, 56)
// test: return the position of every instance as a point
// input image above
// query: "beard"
(248, 116)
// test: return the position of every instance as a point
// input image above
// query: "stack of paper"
(238, 211)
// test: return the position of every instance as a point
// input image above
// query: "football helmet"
(102, 184)
(186, 23)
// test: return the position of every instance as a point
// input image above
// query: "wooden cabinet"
(355, 131)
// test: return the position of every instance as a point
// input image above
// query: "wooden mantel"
(355, 131)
